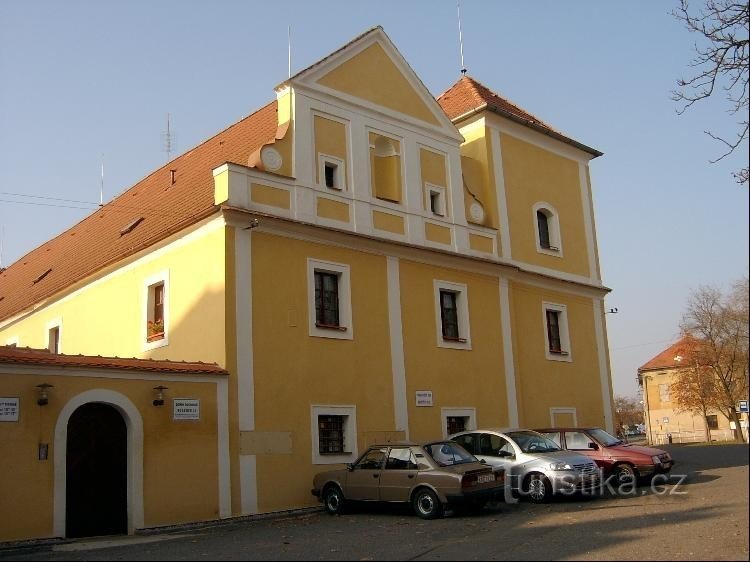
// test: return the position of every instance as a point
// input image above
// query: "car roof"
(494, 430)
(567, 429)
(407, 443)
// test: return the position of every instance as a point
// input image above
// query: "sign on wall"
(742, 407)
(424, 398)
(9, 409)
(186, 409)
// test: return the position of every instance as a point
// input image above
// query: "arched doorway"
(96, 472)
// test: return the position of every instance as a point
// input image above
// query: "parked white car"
(534, 465)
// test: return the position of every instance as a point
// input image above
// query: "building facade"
(367, 262)
(664, 417)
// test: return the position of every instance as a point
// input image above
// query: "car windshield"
(447, 453)
(532, 442)
(604, 438)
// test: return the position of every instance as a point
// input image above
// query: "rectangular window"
(155, 323)
(664, 393)
(155, 309)
(436, 200)
(330, 174)
(326, 299)
(449, 314)
(331, 435)
(712, 421)
(54, 339)
(452, 315)
(553, 331)
(543, 225)
(329, 300)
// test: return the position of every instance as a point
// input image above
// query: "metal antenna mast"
(289, 48)
(168, 138)
(460, 37)
(101, 185)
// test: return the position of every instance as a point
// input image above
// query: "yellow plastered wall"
(542, 383)
(371, 75)
(285, 145)
(478, 173)
(533, 175)
(330, 139)
(385, 167)
(458, 378)
(180, 459)
(106, 317)
(293, 370)
(433, 168)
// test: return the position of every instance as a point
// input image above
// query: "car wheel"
(333, 500)
(538, 488)
(426, 504)
(624, 474)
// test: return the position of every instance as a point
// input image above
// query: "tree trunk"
(708, 429)
(738, 435)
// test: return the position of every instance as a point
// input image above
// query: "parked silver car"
(534, 466)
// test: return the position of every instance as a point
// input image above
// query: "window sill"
(335, 453)
(558, 352)
(155, 337)
(330, 327)
(457, 340)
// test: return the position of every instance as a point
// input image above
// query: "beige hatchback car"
(431, 476)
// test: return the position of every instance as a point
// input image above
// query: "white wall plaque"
(424, 398)
(9, 409)
(186, 409)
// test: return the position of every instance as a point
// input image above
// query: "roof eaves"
(530, 124)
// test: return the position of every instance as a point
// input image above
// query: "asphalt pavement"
(700, 514)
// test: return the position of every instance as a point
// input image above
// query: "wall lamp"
(159, 400)
(43, 393)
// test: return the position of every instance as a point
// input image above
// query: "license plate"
(484, 478)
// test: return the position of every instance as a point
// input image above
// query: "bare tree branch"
(721, 62)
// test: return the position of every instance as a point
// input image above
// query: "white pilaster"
(398, 367)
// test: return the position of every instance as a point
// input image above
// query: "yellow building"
(663, 415)
(366, 261)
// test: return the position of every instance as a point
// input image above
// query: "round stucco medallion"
(476, 212)
(271, 158)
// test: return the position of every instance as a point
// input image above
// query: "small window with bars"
(327, 300)
(456, 424)
(331, 434)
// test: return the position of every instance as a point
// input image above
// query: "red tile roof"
(102, 238)
(29, 356)
(667, 359)
(468, 96)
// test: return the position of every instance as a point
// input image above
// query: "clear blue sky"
(79, 79)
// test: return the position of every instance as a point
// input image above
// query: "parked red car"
(615, 457)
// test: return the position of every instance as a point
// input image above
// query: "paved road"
(705, 517)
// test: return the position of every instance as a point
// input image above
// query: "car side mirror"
(349, 466)
(593, 446)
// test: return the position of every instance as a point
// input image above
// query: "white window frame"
(346, 331)
(442, 193)
(462, 308)
(553, 224)
(470, 413)
(339, 178)
(52, 324)
(147, 307)
(567, 354)
(562, 410)
(350, 433)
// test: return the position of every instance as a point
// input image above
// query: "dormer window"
(331, 171)
(435, 200)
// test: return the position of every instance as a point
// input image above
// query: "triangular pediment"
(371, 72)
